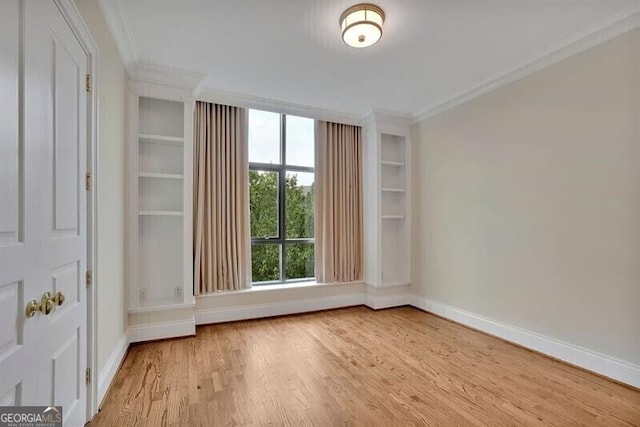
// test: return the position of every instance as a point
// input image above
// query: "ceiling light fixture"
(362, 25)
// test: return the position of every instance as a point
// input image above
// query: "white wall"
(111, 128)
(527, 202)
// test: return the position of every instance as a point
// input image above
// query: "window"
(281, 197)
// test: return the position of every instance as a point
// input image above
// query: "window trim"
(281, 169)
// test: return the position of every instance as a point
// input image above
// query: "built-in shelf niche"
(160, 274)
(160, 194)
(160, 278)
(160, 158)
(393, 181)
(393, 177)
(161, 119)
(394, 251)
(387, 201)
(393, 149)
(393, 204)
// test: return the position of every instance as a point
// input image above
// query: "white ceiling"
(291, 51)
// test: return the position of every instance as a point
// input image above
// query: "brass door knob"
(46, 303)
(32, 308)
(58, 298)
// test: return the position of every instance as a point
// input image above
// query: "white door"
(19, 240)
(43, 229)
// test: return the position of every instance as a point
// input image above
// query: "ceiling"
(291, 51)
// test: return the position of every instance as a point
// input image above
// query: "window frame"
(281, 169)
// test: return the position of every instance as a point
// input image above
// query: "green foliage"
(263, 196)
(263, 201)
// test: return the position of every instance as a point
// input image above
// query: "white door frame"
(79, 28)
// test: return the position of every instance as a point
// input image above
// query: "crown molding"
(579, 42)
(167, 76)
(115, 22)
(277, 106)
(388, 121)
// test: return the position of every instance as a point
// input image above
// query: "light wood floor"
(355, 366)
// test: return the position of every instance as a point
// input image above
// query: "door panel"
(11, 397)
(10, 143)
(11, 343)
(10, 316)
(51, 46)
(66, 76)
(66, 379)
(67, 279)
(19, 228)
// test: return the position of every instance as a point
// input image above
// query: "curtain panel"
(338, 223)
(221, 234)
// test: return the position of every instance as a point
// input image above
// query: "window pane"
(264, 137)
(265, 262)
(300, 141)
(263, 203)
(300, 261)
(299, 204)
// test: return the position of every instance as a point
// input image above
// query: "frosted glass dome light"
(362, 25)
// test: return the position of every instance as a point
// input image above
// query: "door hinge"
(87, 376)
(88, 277)
(89, 83)
(87, 181)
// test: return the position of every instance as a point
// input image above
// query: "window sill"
(279, 286)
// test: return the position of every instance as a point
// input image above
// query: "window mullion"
(270, 167)
(282, 198)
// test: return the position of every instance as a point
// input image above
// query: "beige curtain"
(221, 240)
(338, 224)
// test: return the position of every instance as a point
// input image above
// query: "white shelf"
(159, 276)
(392, 163)
(161, 139)
(161, 175)
(160, 213)
(392, 216)
(387, 201)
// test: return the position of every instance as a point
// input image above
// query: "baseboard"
(377, 302)
(388, 285)
(161, 330)
(256, 311)
(108, 372)
(616, 369)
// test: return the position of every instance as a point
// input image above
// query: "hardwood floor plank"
(356, 366)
